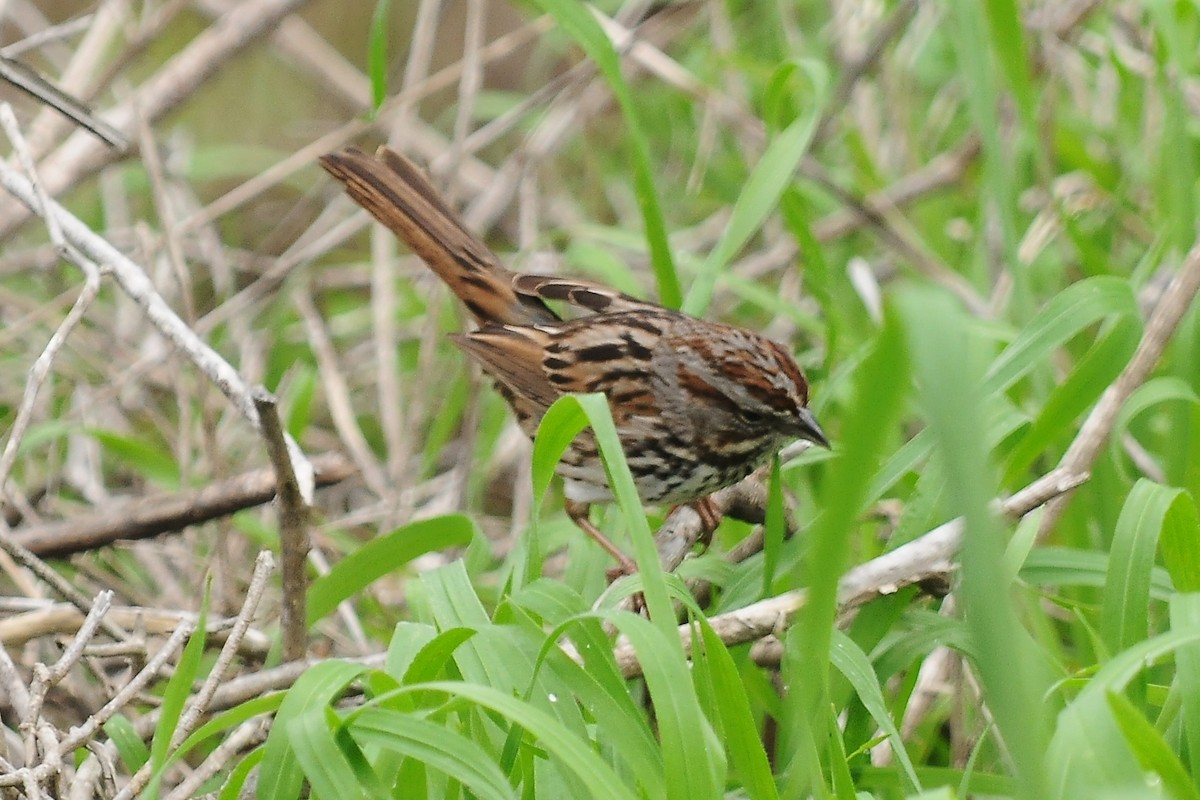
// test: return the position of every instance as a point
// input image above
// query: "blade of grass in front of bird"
(952, 397)
(881, 386)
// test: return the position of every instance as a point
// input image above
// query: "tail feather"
(396, 193)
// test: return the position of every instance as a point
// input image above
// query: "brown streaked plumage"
(697, 405)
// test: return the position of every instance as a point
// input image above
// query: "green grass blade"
(451, 753)
(377, 52)
(1151, 751)
(227, 720)
(654, 585)
(384, 554)
(852, 662)
(495, 661)
(130, 747)
(175, 697)
(1088, 751)
(1070, 311)
(619, 723)
(1066, 315)
(1124, 616)
(1059, 566)
(1153, 392)
(1072, 396)
(970, 38)
(692, 758)
(952, 396)
(431, 659)
(1185, 615)
(561, 743)
(280, 776)
(760, 194)
(740, 734)
(881, 385)
(321, 757)
(232, 789)
(1008, 43)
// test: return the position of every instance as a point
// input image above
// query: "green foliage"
(957, 325)
(1008, 303)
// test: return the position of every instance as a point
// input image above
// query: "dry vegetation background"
(991, 213)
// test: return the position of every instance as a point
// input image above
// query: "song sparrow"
(697, 405)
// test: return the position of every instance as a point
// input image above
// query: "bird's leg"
(710, 516)
(578, 512)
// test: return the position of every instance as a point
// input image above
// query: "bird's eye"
(752, 417)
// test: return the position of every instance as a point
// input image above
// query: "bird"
(697, 405)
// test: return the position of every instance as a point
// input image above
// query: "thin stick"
(293, 530)
(138, 286)
(264, 565)
(82, 155)
(926, 557)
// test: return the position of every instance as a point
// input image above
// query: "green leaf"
(774, 528)
(145, 459)
(321, 757)
(232, 790)
(1070, 311)
(599, 686)
(1185, 616)
(852, 662)
(130, 746)
(559, 742)
(1088, 752)
(760, 193)
(1067, 314)
(620, 481)
(741, 736)
(968, 33)
(432, 658)
(300, 396)
(175, 697)
(1162, 389)
(377, 53)
(456, 756)
(1180, 532)
(227, 720)
(953, 394)
(1071, 397)
(561, 423)
(491, 656)
(280, 775)
(1149, 748)
(1008, 43)
(408, 638)
(880, 387)
(692, 757)
(1124, 615)
(385, 554)
(1060, 566)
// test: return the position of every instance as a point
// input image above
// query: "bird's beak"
(810, 430)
